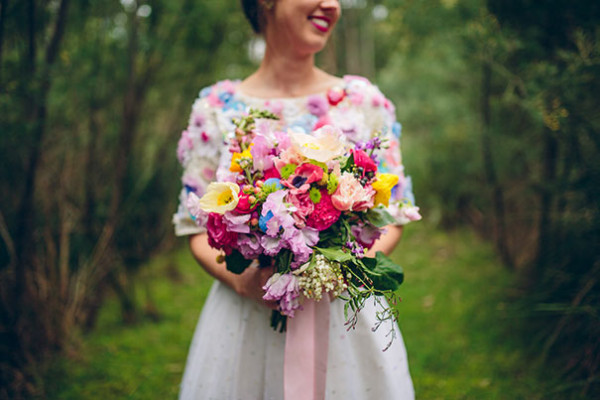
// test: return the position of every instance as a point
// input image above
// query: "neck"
(287, 75)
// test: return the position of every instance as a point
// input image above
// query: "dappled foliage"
(500, 110)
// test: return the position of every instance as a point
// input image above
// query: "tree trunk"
(499, 227)
(3, 6)
(545, 243)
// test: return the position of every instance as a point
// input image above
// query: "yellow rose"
(383, 188)
(220, 197)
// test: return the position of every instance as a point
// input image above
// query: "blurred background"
(500, 112)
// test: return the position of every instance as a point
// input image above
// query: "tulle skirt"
(235, 354)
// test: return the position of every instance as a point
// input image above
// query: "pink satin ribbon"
(306, 345)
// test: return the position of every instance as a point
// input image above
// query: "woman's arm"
(247, 284)
(387, 242)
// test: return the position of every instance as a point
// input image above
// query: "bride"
(235, 354)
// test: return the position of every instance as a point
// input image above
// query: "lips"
(321, 23)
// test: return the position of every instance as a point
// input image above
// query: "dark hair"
(253, 13)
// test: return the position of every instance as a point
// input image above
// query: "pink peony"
(218, 235)
(351, 195)
(325, 214)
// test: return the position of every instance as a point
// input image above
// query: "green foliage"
(385, 273)
(236, 262)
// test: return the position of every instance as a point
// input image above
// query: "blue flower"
(397, 129)
(408, 191)
(304, 124)
(190, 189)
(225, 97)
(262, 222)
(234, 105)
(206, 91)
(274, 181)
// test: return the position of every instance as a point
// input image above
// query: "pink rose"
(244, 205)
(351, 195)
(218, 235)
(325, 214)
(362, 159)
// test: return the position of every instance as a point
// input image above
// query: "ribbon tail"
(306, 348)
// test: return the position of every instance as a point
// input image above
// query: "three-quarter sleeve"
(198, 151)
(402, 201)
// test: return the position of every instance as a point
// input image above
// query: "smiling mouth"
(321, 23)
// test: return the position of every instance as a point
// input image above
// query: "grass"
(455, 320)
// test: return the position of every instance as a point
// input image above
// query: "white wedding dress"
(235, 354)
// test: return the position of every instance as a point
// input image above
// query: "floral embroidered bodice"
(356, 107)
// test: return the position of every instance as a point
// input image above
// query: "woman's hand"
(250, 284)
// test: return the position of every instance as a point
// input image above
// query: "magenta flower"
(218, 235)
(325, 214)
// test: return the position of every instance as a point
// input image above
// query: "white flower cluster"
(320, 276)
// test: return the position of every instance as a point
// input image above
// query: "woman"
(235, 354)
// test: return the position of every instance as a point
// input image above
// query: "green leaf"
(349, 163)
(335, 254)
(380, 217)
(385, 273)
(236, 262)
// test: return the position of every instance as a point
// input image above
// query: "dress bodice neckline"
(343, 84)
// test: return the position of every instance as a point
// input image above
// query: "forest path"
(455, 316)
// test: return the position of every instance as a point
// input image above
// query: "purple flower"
(185, 144)
(282, 213)
(271, 245)
(285, 290)
(193, 205)
(283, 140)
(236, 223)
(299, 242)
(317, 105)
(249, 245)
(366, 235)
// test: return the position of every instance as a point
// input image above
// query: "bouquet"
(311, 205)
